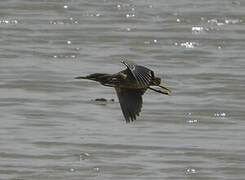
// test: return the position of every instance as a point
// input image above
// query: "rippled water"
(52, 129)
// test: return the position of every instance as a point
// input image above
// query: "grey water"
(50, 125)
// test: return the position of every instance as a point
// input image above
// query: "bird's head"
(94, 77)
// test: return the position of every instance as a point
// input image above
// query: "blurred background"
(51, 127)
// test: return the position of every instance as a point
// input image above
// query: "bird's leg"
(164, 87)
(162, 91)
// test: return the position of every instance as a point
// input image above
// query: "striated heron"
(130, 85)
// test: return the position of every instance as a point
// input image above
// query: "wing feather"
(141, 74)
(130, 101)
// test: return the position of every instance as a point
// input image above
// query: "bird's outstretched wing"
(142, 75)
(130, 102)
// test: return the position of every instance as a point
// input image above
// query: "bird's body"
(130, 84)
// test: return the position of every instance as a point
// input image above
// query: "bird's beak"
(81, 77)
(86, 77)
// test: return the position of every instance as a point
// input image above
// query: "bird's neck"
(103, 78)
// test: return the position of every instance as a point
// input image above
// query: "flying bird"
(130, 84)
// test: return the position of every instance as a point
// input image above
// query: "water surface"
(52, 129)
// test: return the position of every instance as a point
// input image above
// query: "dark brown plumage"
(130, 84)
